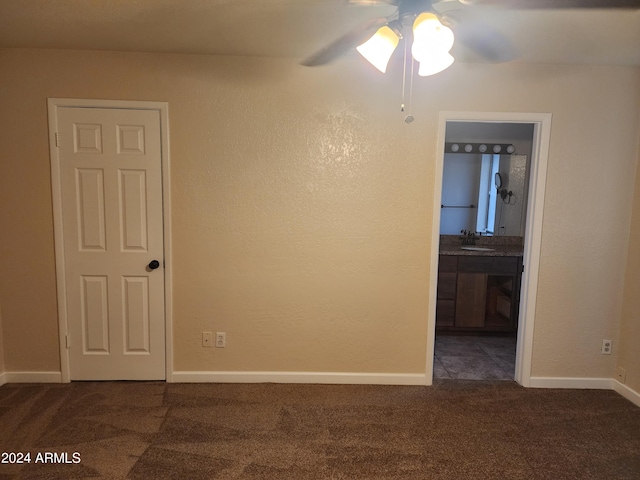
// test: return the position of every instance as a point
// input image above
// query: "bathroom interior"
(482, 230)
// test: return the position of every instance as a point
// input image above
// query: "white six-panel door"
(111, 189)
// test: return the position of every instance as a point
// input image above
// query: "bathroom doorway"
(490, 185)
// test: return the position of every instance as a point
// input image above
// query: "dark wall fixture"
(489, 148)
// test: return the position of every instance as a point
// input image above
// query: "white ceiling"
(297, 28)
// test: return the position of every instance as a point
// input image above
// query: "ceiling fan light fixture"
(425, 21)
(431, 44)
(379, 48)
(430, 35)
(435, 64)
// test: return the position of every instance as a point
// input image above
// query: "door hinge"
(57, 135)
(68, 341)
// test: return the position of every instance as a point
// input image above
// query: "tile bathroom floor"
(474, 357)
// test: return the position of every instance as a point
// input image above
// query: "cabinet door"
(447, 286)
(471, 299)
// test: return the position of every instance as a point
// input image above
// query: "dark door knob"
(153, 264)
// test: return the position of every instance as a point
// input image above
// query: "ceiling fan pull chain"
(404, 74)
(409, 118)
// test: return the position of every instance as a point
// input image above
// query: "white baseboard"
(586, 383)
(33, 377)
(337, 378)
(301, 377)
(626, 392)
(569, 382)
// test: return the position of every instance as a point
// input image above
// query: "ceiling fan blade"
(344, 43)
(480, 38)
(554, 4)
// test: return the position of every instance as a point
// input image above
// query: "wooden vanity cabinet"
(478, 293)
(471, 300)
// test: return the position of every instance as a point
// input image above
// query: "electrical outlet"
(221, 339)
(607, 346)
(207, 339)
(621, 376)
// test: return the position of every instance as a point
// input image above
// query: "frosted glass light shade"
(431, 44)
(430, 35)
(435, 64)
(379, 48)
(424, 22)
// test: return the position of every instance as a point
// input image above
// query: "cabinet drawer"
(489, 265)
(447, 263)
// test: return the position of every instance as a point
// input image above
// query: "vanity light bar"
(496, 148)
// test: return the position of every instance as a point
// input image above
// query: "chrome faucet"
(469, 238)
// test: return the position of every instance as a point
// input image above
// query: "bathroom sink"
(478, 249)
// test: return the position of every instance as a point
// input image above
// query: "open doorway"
(490, 180)
(482, 230)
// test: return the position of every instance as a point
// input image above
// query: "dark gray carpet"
(452, 430)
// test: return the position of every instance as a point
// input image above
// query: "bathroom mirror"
(484, 193)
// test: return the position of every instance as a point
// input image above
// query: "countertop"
(499, 250)
(502, 246)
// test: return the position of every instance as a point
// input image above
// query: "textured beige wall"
(629, 356)
(302, 205)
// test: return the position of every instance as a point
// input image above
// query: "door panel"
(133, 201)
(90, 195)
(111, 179)
(136, 314)
(95, 315)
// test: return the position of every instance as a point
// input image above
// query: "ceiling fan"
(435, 23)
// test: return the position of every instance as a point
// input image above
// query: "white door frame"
(533, 233)
(163, 109)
